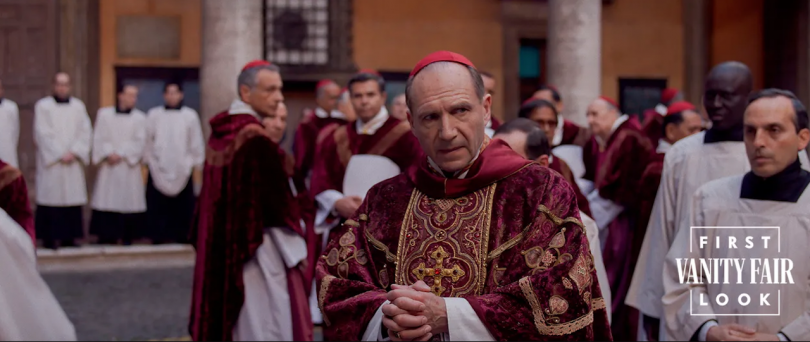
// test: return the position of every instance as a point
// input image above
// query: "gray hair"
(478, 83)
(248, 76)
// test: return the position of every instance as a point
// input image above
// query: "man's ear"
(410, 117)
(669, 132)
(244, 91)
(487, 103)
(543, 160)
(804, 138)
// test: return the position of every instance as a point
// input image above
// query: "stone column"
(232, 35)
(697, 38)
(575, 53)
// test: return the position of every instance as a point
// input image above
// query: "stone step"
(99, 258)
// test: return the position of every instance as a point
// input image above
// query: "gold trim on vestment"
(322, 296)
(539, 319)
(508, 244)
(381, 247)
(402, 232)
(558, 221)
(465, 241)
(598, 304)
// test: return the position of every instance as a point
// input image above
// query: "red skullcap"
(549, 86)
(611, 101)
(256, 63)
(369, 71)
(323, 83)
(440, 56)
(679, 106)
(668, 94)
(345, 89)
(527, 101)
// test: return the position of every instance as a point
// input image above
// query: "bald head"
(726, 93)
(601, 117)
(61, 85)
(449, 111)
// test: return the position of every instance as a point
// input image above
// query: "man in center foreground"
(485, 244)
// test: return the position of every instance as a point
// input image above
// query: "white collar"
(321, 113)
(371, 127)
(558, 131)
(461, 174)
(240, 107)
(663, 146)
(616, 124)
(661, 109)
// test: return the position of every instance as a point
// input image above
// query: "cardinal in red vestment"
(248, 224)
(327, 94)
(615, 159)
(474, 242)
(14, 198)
(654, 117)
(374, 132)
(567, 133)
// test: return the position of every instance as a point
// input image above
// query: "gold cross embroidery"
(438, 272)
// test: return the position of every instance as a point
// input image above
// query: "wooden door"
(28, 60)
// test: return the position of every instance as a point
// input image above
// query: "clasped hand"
(414, 314)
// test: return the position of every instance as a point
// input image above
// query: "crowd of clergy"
(468, 229)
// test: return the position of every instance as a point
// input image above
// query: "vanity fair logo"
(754, 272)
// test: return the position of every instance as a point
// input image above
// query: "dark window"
(639, 94)
(298, 32)
(532, 66)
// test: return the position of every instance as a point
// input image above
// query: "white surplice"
(266, 314)
(688, 164)
(174, 147)
(9, 132)
(119, 188)
(718, 203)
(60, 128)
(28, 309)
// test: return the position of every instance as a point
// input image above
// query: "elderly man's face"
(265, 97)
(328, 97)
(399, 108)
(448, 116)
(771, 140)
(601, 117)
(276, 123)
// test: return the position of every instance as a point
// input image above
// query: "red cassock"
(14, 198)
(573, 134)
(305, 143)
(652, 126)
(616, 171)
(338, 143)
(245, 190)
(507, 238)
(560, 166)
(495, 123)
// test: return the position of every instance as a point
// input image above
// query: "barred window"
(298, 32)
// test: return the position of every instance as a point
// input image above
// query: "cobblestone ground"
(127, 305)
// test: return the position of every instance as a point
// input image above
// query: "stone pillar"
(232, 35)
(575, 53)
(697, 38)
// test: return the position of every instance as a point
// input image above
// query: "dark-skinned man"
(703, 157)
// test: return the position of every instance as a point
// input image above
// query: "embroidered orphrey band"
(322, 296)
(539, 319)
